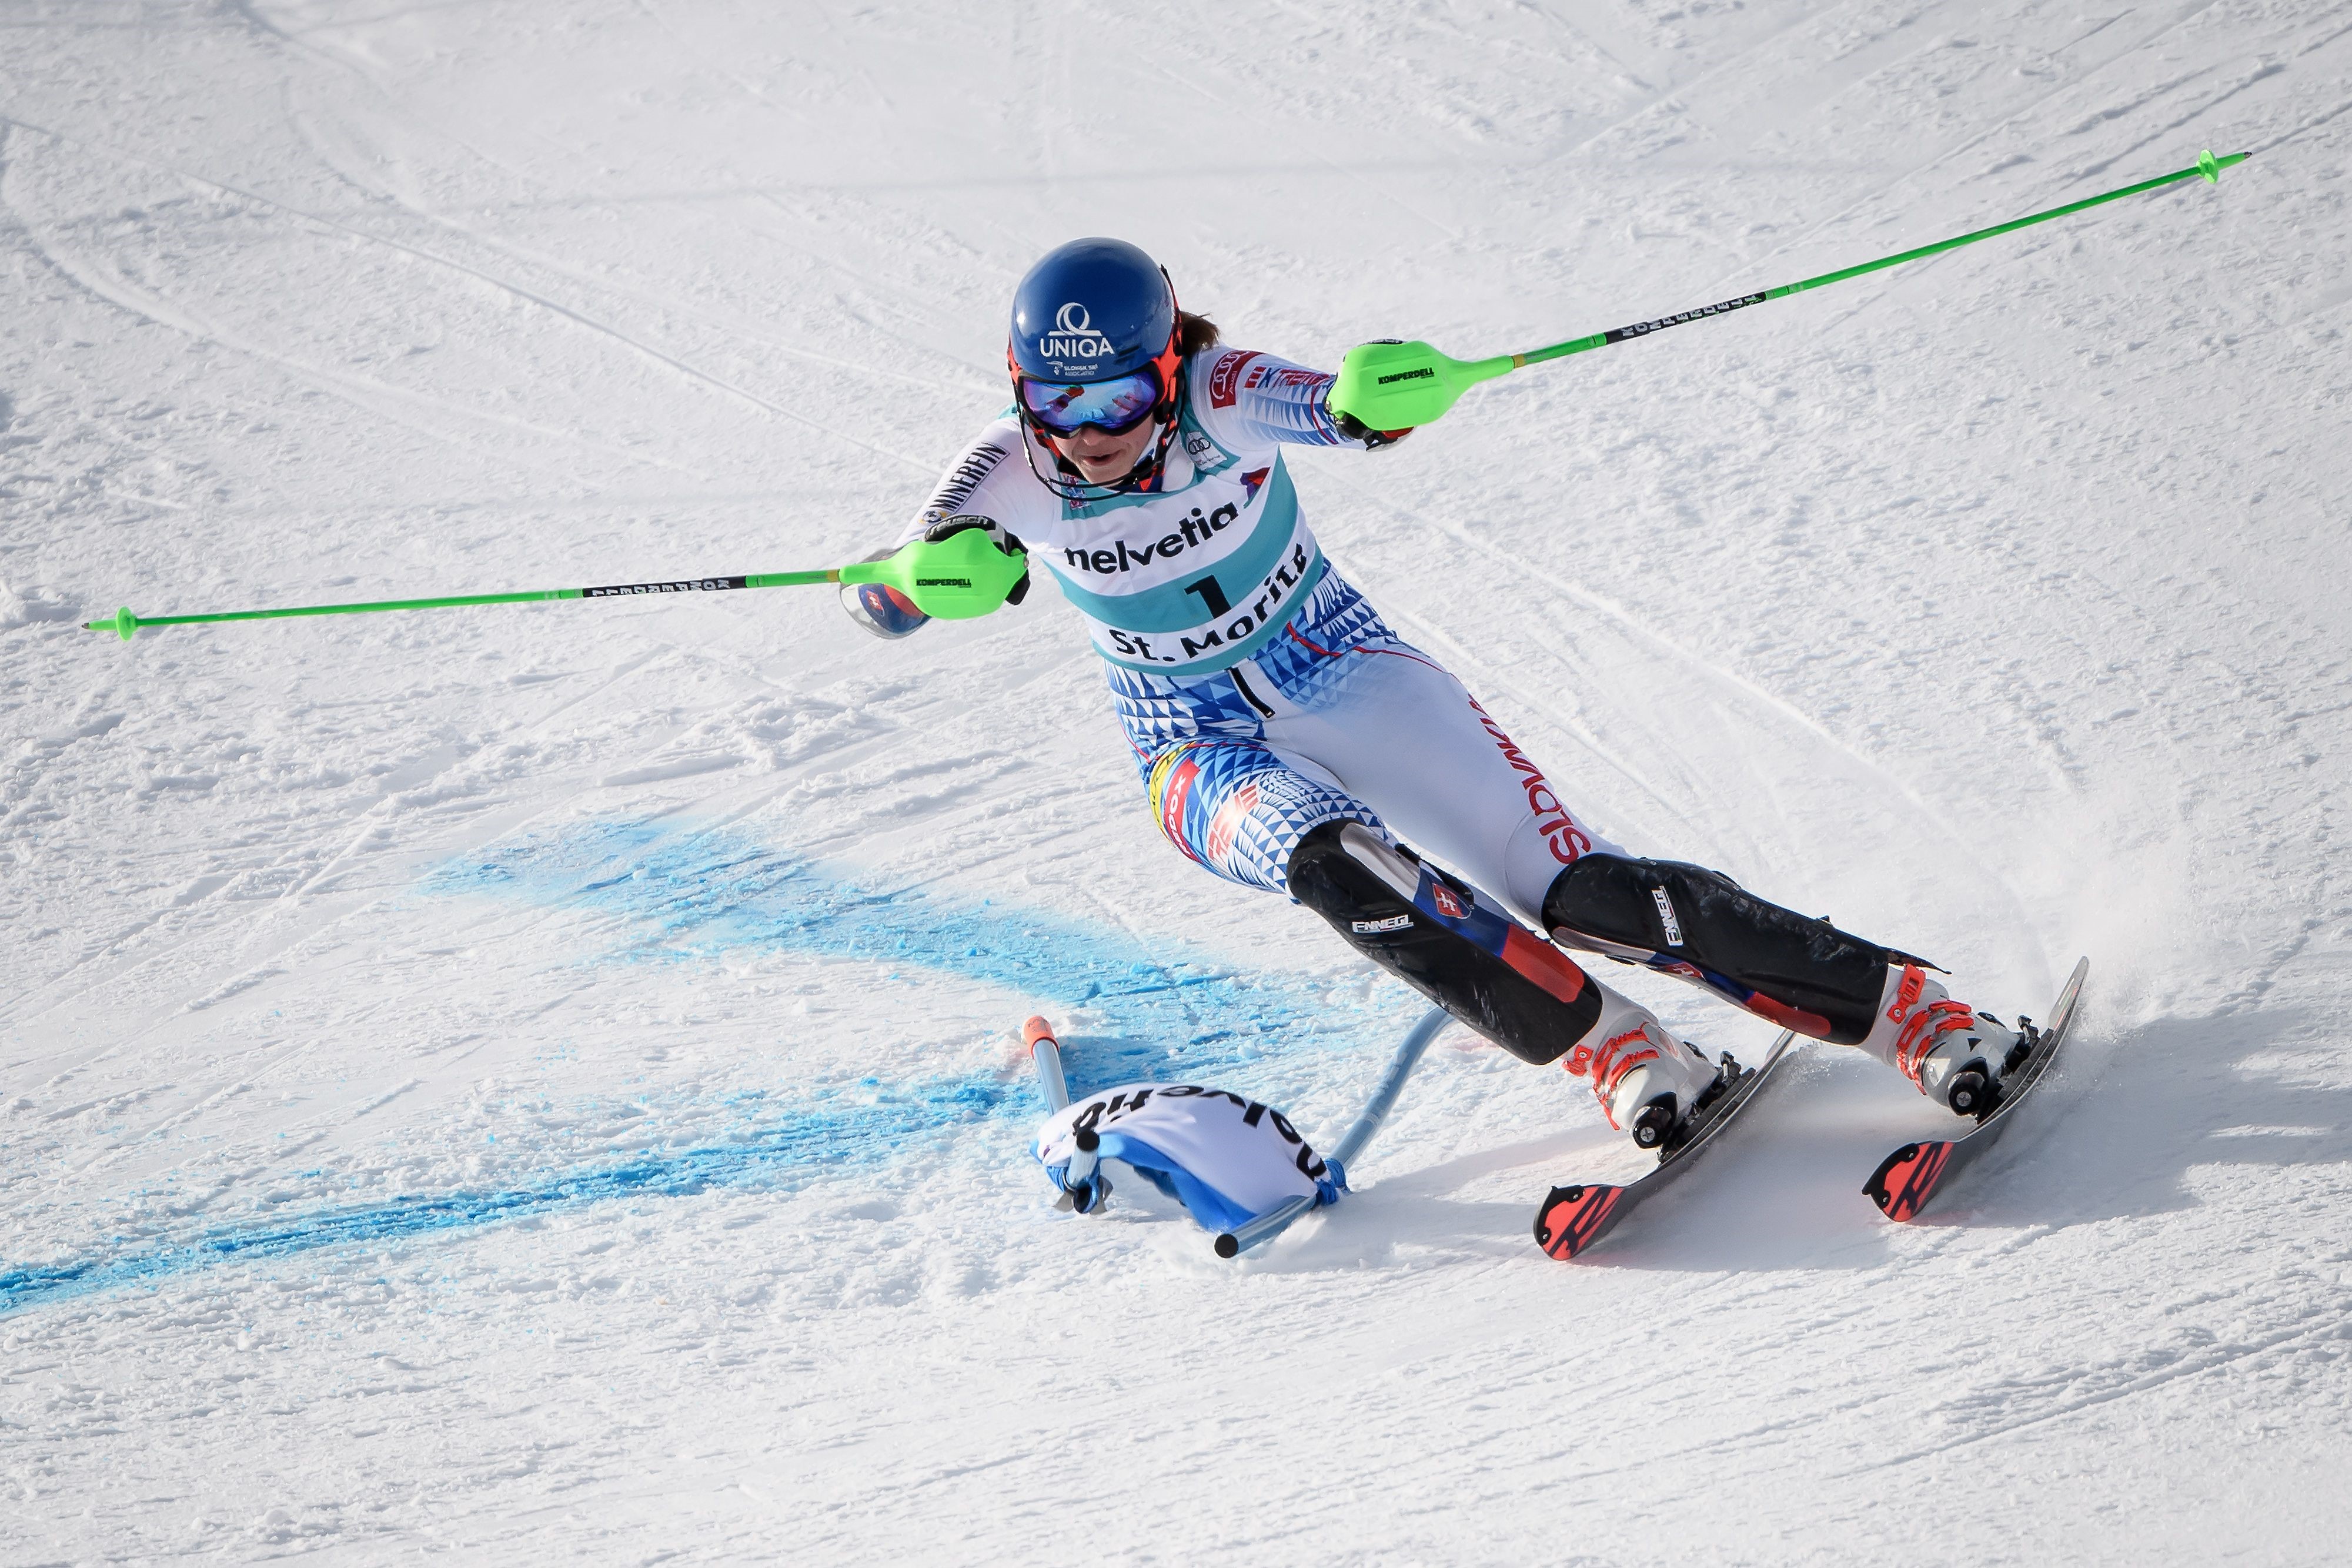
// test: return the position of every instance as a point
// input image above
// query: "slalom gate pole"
(956, 578)
(1274, 1221)
(1046, 1056)
(1395, 386)
(1079, 1181)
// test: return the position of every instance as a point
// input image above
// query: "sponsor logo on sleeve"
(1268, 376)
(1223, 376)
(962, 480)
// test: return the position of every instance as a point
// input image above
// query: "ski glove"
(880, 609)
(886, 612)
(1355, 429)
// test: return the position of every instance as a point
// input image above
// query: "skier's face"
(1105, 459)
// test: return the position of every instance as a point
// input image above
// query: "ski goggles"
(1113, 406)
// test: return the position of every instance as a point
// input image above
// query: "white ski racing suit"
(1274, 714)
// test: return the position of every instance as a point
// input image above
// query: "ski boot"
(1648, 1082)
(1955, 1057)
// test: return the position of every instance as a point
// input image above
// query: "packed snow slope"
(544, 1084)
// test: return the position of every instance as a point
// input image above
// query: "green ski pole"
(1394, 386)
(960, 577)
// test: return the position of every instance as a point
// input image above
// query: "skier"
(1289, 740)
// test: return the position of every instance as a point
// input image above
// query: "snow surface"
(544, 1084)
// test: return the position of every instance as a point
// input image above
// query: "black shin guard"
(1530, 999)
(1802, 974)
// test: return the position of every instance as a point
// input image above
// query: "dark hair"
(1194, 333)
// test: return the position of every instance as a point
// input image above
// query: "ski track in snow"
(545, 1084)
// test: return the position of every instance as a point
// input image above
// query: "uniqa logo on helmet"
(1074, 346)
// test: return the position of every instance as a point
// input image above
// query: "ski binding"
(1573, 1218)
(1907, 1180)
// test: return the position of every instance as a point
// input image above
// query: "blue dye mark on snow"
(801, 1143)
(678, 896)
(688, 896)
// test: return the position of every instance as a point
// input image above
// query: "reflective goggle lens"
(1119, 404)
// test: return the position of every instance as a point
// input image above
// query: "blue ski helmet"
(1094, 343)
(1089, 310)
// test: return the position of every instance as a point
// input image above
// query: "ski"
(1907, 1180)
(1573, 1218)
